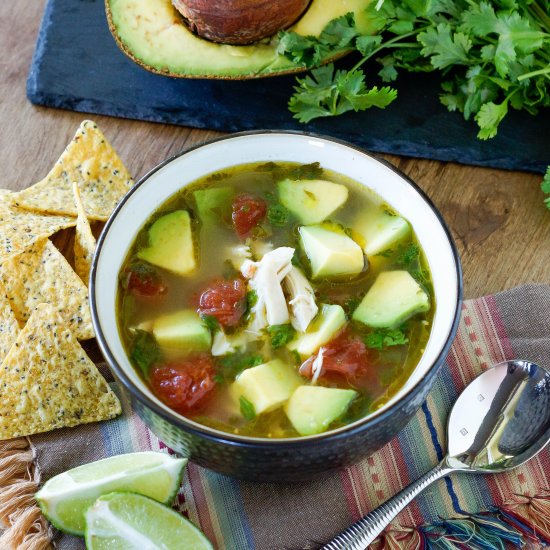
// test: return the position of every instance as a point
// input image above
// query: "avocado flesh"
(182, 330)
(312, 409)
(152, 33)
(394, 297)
(171, 243)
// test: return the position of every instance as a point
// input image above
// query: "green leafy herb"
(211, 322)
(145, 350)
(384, 338)
(351, 304)
(251, 299)
(232, 365)
(278, 215)
(493, 55)
(280, 335)
(247, 408)
(409, 256)
(545, 186)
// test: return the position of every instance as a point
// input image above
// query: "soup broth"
(275, 300)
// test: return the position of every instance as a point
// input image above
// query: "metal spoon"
(501, 420)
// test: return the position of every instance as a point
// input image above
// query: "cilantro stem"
(546, 70)
(394, 43)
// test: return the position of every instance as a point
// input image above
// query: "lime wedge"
(65, 498)
(127, 521)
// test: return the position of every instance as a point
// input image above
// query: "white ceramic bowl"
(262, 146)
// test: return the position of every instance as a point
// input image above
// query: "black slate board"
(78, 66)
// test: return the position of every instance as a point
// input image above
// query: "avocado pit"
(239, 22)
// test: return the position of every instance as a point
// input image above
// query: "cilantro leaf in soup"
(145, 350)
(230, 366)
(408, 256)
(210, 322)
(385, 338)
(247, 408)
(278, 215)
(280, 335)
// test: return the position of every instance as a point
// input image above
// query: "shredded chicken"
(312, 367)
(265, 279)
(238, 254)
(222, 344)
(302, 299)
(260, 248)
(317, 366)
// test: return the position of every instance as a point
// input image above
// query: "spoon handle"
(359, 535)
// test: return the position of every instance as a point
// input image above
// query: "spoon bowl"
(499, 421)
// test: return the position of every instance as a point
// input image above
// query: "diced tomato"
(144, 281)
(345, 356)
(247, 212)
(224, 300)
(185, 386)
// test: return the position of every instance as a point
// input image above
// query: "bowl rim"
(257, 442)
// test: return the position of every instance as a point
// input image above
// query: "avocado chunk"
(267, 386)
(312, 409)
(330, 254)
(324, 328)
(171, 243)
(391, 300)
(153, 34)
(381, 230)
(183, 330)
(312, 201)
(213, 203)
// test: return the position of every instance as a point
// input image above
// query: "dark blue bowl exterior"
(273, 460)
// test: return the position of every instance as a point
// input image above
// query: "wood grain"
(500, 224)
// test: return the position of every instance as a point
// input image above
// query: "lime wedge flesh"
(65, 498)
(128, 521)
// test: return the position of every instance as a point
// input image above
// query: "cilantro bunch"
(493, 55)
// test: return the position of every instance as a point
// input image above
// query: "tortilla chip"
(42, 275)
(84, 242)
(90, 161)
(20, 228)
(9, 328)
(47, 381)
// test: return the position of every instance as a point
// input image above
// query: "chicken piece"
(265, 279)
(237, 254)
(222, 344)
(302, 299)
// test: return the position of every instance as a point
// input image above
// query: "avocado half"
(152, 33)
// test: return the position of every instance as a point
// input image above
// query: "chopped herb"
(232, 365)
(145, 350)
(211, 323)
(351, 304)
(311, 171)
(296, 258)
(297, 357)
(251, 299)
(385, 338)
(408, 256)
(247, 408)
(545, 186)
(385, 253)
(280, 335)
(278, 215)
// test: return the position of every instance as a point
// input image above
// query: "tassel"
(517, 521)
(25, 528)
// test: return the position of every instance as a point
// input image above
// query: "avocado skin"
(232, 66)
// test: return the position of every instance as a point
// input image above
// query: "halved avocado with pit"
(153, 34)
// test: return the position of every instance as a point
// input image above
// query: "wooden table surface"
(497, 217)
